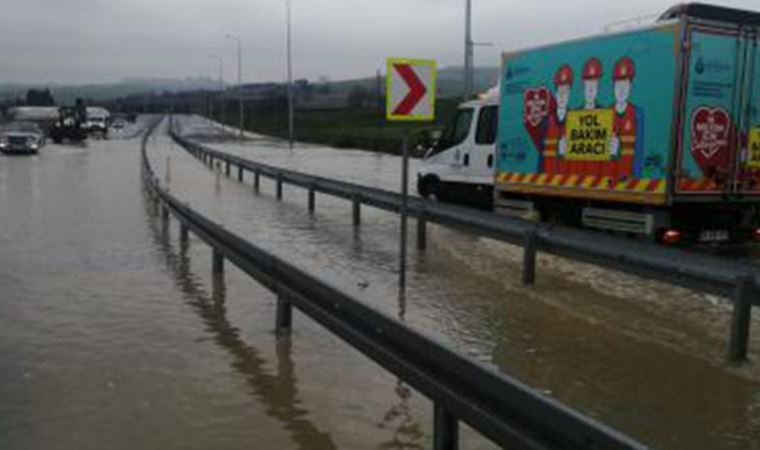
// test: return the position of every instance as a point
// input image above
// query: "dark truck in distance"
(21, 138)
(71, 124)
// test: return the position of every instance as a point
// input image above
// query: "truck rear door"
(709, 146)
(748, 166)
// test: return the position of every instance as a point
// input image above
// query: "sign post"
(410, 96)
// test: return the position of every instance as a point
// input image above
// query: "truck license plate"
(713, 236)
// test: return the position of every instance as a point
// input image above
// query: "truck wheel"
(430, 188)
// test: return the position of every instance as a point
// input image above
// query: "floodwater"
(113, 336)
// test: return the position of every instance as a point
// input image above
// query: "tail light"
(672, 236)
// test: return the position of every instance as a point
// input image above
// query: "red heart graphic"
(710, 138)
(536, 103)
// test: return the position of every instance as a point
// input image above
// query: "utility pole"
(221, 84)
(239, 81)
(290, 80)
(468, 50)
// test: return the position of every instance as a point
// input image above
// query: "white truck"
(98, 121)
(652, 131)
(460, 166)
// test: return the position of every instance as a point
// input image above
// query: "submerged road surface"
(112, 336)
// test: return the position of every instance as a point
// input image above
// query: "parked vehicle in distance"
(44, 116)
(650, 132)
(21, 138)
(118, 124)
(71, 124)
(98, 121)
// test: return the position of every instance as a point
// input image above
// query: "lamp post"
(469, 50)
(239, 80)
(221, 83)
(290, 80)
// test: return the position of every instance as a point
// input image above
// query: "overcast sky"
(80, 41)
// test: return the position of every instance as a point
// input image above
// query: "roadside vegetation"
(352, 127)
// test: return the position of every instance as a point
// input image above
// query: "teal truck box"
(654, 130)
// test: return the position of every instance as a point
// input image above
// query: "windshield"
(456, 132)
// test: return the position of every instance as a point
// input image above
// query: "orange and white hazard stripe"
(598, 183)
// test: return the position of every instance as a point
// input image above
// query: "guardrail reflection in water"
(276, 389)
(500, 407)
(739, 282)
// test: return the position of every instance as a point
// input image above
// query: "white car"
(21, 138)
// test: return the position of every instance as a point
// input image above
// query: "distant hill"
(66, 94)
(450, 81)
(450, 84)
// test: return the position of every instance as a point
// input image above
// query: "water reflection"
(278, 392)
(407, 433)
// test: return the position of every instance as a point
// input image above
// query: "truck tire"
(430, 188)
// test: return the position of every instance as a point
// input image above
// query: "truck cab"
(459, 167)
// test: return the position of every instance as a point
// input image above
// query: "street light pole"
(469, 50)
(239, 80)
(468, 44)
(290, 80)
(221, 84)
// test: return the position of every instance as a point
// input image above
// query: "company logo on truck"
(711, 140)
(709, 131)
(536, 105)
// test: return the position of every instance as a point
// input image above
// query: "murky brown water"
(112, 336)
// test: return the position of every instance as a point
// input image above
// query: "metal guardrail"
(735, 280)
(500, 407)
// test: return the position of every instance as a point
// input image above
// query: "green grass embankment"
(362, 128)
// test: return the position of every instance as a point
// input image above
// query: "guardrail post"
(445, 430)
(529, 258)
(357, 209)
(421, 233)
(284, 316)
(744, 292)
(240, 173)
(279, 186)
(256, 180)
(184, 234)
(312, 199)
(217, 263)
(154, 202)
(227, 168)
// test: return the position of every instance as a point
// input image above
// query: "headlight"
(3, 142)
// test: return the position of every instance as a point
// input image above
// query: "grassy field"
(363, 128)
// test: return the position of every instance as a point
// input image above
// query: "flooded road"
(114, 336)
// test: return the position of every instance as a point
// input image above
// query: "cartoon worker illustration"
(626, 145)
(592, 73)
(554, 143)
